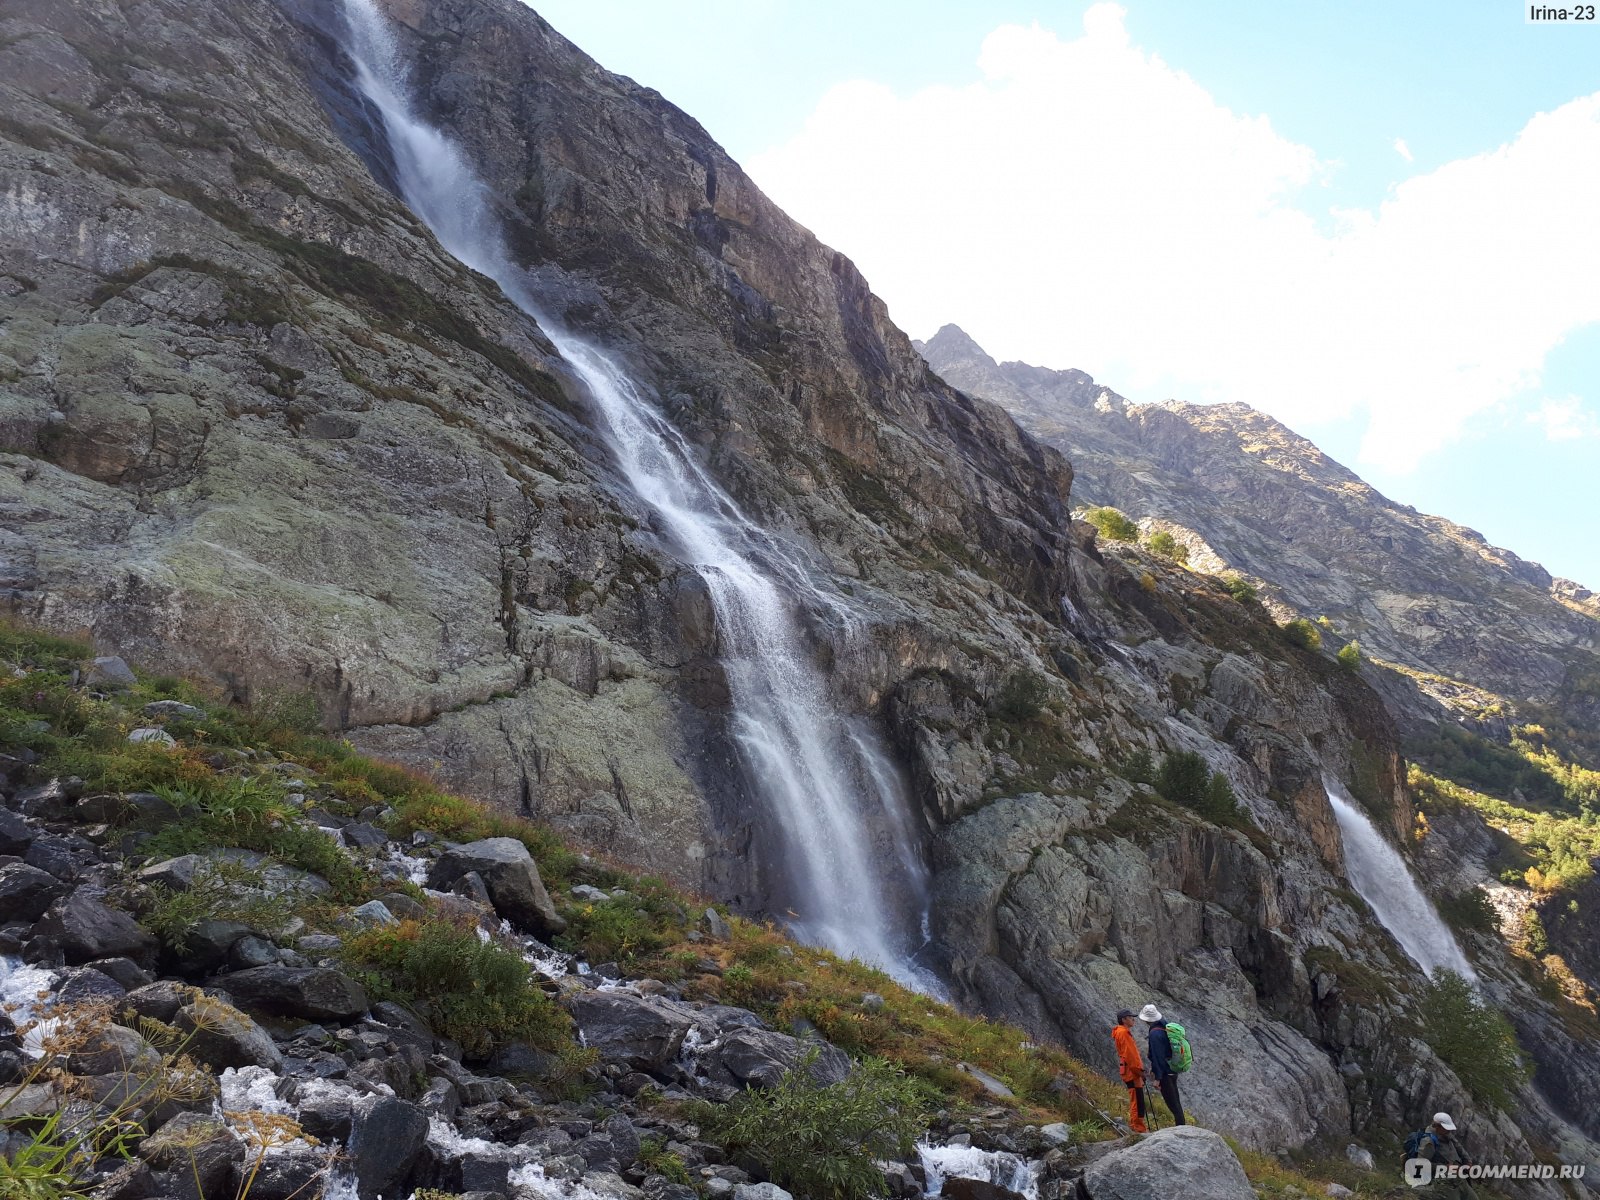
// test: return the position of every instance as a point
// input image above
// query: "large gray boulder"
(758, 1058)
(510, 874)
(1187, 1161)
(25, 892)
(642, 1032)
(221, 1036)
(87, 929)
(385, 1142)
(315, 993)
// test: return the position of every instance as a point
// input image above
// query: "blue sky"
(1375, 221)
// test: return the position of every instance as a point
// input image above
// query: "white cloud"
(1086, 204)
(1403, 150)
(1564, 419)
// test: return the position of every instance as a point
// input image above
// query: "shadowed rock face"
(260, 429)
(1254, 497)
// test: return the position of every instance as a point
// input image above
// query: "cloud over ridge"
(1086, 204)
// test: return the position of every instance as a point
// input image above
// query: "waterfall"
(1384, 881)
(844, 826)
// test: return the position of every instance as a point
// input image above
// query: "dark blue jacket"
(1160, 1058)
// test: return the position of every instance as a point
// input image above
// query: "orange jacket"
(1128, 1055)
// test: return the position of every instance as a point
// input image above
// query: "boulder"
(510, 876)
(207, 942)
(62, 857)
(25, 892)
(88, 985)
(112, 1048)
(16, 835)
(111, 674)
(371, 915)
(643, 1032)
(385, 1140)
(194, 1149)
(315, 993)
(124, 971)
(363, 836)
(152, 735)
(160, 1000)
(958, 1187)
(173, 710)
(760, 1191)
(222, 1036)
(758, 1058)
(85, 929)
(1145, 1170)
(283, 1175)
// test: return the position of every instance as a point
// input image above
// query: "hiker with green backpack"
(1169, 1056)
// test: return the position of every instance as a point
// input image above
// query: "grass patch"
(474, 992)
(826, 1141)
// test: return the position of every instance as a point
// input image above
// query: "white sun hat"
(1443, 1121)
(1149, 1014)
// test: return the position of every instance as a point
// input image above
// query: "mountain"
(1250, 496)
(396, 369)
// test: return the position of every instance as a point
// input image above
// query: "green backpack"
(1182, 1056)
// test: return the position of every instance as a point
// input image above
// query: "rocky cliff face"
(259, 429)
(1249, 495)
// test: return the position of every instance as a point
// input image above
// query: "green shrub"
(655, 1156)
(252, 814)
(1475, 1041)
(1164, 544)
(1470, 910)
(1139, 767)
(618, 930)
(223, 891)
(1240, 589)
(1022, 698)
(826, 1141)
(1220, 805)
(1186, 779)
(1350, 656)
(1183, 779)
(1113, 524)
(1301, 632)
(477, 993)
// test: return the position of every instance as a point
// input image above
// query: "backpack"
(1414, 1143)
(1182, 1055)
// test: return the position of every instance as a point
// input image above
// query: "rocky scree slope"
(261, 431)
(395, 1022)
(1248, 495)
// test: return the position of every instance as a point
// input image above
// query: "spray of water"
(847, 841)
(1381, 877)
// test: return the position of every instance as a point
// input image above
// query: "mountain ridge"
(1415, 589)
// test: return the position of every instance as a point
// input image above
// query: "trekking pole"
(1149, 1109)
(1077, 1089)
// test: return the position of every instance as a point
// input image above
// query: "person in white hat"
(1160, 1058)
(1440, 1146)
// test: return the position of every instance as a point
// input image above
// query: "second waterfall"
(820, 780)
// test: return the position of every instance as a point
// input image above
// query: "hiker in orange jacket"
(1132, 1067)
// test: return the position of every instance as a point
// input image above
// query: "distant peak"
(953, 342)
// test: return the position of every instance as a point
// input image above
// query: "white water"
(1383, 880)
(1009, 1171)
(846, 839)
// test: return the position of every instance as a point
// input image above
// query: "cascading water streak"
(827, 788)
(1382, 878)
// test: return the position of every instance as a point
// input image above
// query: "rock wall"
(259, 429)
